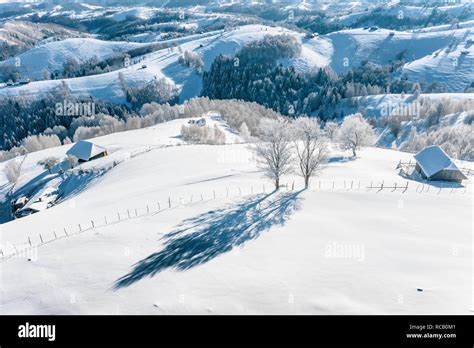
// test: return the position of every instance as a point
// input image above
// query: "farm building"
(86, 151)
(42, 200)
(434, 164)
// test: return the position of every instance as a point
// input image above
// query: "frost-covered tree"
(71, 161)
(48, 163)
(40, 142)
(310, 145)
(273, 151)
(203, 134)
(12, 171)
(330, 130)
(244, 131)
(355, 132)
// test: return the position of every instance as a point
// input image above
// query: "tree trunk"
(306, 182)
(277, 184)
(354, 152)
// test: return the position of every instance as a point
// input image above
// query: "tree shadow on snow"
(202, 238)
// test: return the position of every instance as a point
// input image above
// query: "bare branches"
(273, 152)
(310, 146)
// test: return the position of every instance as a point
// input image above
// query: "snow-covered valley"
(208, 239)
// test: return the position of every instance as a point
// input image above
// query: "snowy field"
(237, 249)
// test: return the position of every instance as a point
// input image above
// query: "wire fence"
(36, 240)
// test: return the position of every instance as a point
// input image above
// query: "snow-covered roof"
(41, 199)
(433, 159)
(85, 150)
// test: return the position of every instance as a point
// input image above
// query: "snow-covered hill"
(442, 56)
(430, 56)
(22, 35)
(405, 11)
(206, 238)
(51, 56)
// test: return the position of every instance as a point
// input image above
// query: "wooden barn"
(434, 164)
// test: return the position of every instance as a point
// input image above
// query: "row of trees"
(302, 143)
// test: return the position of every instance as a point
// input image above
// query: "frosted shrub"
(12, 171)
(40, 142)
(203, 134)
(48, 163)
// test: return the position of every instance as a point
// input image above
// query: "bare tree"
(273, 152)
(48, 163)
(311, 147)
(355, 132)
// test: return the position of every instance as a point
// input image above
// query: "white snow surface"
(321, 251)
(51, 56)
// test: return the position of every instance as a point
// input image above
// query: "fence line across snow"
(153, 208)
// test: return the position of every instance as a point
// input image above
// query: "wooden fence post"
(80, 228)
(29, 240)
(406, 188)
(105, 219)
(128, 213)
(394, 187)
(169, 202)
(92, 222)
(55, 236)
(118, 214)
(41, 238)
(136, 214)
(65, 231)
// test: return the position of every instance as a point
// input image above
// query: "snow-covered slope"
(427, 55)
(208, 240)
(52, 55)
(136, 12)
(405, 11)
(23, 35)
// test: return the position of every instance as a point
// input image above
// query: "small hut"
(86, 151)
(434, 164)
